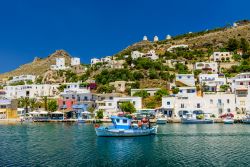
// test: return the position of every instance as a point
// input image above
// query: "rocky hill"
(213, 39)
(39, 66)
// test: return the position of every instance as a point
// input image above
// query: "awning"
(63, 107)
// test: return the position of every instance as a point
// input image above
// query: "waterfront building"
(75, 61)
(212, 82)
(75, 96)
(185, 80)
(110, 104)
(187, 91)
(207, 67)
(8, 109)
(31, 91)
(242, 100)
(221, 56)
(150, 91)
(211, 103)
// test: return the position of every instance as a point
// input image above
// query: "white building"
(111, 106)
(145, 38)
(136, 54)
(31, 91)
(95, 61)
(60, 64)
(24, 78)
(185, 80)
(212, 103)
(207, 67)
(168, 37)
(242, 100)
(187, 91)
(156, 39)
(241, 81)
(106, 59)
(151, 55)
(212, 82)
(75, 61)
(171, 48)
(221, 56)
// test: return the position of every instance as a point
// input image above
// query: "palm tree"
(33, 104)
(45, 102)
(24, 102)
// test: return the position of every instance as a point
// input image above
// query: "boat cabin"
(121, 122)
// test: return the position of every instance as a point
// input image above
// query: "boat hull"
(161, 121)
(228, 121)
(196, 121)
(246, 121)
(105, 132)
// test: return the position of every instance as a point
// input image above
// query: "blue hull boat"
(246, 121)
(196, 121)
(122, 128)
(112, 132)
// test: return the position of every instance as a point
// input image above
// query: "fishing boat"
(228, 118)
(246, 119)
(190, 118)
(122, 127)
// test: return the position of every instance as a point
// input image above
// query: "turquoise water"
(62, 144)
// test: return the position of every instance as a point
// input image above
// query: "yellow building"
(8, 109)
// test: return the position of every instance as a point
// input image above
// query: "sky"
(97, 28)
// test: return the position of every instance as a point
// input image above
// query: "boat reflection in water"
(122, 127)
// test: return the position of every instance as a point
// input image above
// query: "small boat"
(161, 120)
(190, 118)
(246, 119)
(122, 128)
(228, 120)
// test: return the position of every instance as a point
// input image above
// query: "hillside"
(210, 39)
(39, 66)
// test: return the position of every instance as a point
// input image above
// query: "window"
(228, 101)
(124, 121)
(228, 110)
(109, 104)
(241, 83)
(211, 101)
(219, 101)
(117, 120)
(198, 105)
(179, 77)
(168, 103)
(182, 105)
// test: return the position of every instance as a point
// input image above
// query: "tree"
(33, 104)
(150, 102)
(127, 107)
(29, 82)
(99, 114)
(105, 88)
(224, 87)
(197, 72)
(52, 105)
(232, 44)
(24, 102)
(45, 102)
(175, 90)
(160, 93)
(244, 45)
(141, 93)
(91, 109)
(153, 74)
(62, 87)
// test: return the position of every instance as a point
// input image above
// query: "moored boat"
(246, 119)
(190, 118)
(228, 118)
(122, 127)
(161, 120)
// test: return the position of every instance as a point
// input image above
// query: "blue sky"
(96, 28)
